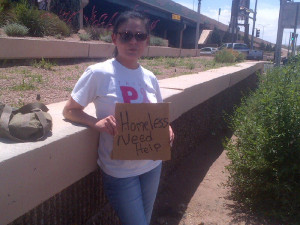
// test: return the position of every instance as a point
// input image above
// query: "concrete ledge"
(155, 51)
(33, 172)
(185, 92)
(188, 52)
(101, 50)
(18, 48)
(21, 48)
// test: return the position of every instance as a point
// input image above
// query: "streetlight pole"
(254, 19)
(263, 29)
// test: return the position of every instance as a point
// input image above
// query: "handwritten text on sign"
(143, 132)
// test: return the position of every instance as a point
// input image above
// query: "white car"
(208, 51)
(240, 47)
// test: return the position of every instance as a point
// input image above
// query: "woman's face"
(131, 48)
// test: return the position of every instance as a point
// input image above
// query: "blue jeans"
(133, 197)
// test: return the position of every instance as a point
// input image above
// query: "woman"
(130, 185)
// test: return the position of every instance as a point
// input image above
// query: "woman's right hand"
(74, 112)
(108, 125)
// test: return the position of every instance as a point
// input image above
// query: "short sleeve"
(85, 90)
(157, 91)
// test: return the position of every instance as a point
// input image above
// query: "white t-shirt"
(105, 84)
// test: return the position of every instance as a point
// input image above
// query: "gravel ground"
(22, 81)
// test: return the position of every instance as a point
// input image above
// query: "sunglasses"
(126, 36)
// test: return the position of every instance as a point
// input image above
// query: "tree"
(262, 46)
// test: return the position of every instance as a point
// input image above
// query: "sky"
(266, 20)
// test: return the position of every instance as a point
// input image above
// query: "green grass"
(24, 85)
(190, 65)
(156, 72)
(3, 77)
(68, 89)
(70, 78)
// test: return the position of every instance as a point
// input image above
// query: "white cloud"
(267, 22)
(188, 5)
(214, 14)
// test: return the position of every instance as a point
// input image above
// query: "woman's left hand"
(171, 135)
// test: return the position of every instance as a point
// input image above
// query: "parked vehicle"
(240, 47)
(255, 54)
(208, 51)
(243, 48)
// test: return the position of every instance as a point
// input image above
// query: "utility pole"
(246, 36)
(198, 24)
(295, 30)
(254, 20)
(279, 34)
(288, 55)
(233, 27)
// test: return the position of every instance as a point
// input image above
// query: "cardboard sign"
(143, 132)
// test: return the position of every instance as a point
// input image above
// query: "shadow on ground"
(180, 186)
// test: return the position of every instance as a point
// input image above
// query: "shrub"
(16, 30)
(239, 57)
(157, 41)
(7, 17)
(68, 11)
(31, 18)
(265, 169)
(38, 22)
(105, 35)
(94, 32)
(59, 36)
(106, 38)
(85, 37)
(54, 26)
(225, 56)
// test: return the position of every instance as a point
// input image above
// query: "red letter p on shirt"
(129, 94)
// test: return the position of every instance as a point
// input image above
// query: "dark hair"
(124, 17)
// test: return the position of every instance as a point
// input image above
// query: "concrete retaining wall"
(20, 48)
(31, 173)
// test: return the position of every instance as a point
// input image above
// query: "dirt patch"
(21, 81)
(196, 195)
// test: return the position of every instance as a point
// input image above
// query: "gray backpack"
(28, 123)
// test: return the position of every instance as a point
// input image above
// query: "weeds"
(3, 77)
(44, 64)
(264, 168)
(190, 65)
(24, 85)
(156, 72)
(68, 89)
(171, 62)
(25, 79)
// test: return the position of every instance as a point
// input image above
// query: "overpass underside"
(179, 33)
